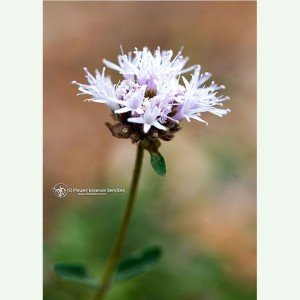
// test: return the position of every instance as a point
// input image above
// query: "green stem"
(106, 280)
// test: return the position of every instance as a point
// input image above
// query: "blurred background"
(203, 213)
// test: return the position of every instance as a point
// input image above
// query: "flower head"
(153, 97)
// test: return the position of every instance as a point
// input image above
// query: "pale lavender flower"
(100, 87)
(151, 100)
(149, 118)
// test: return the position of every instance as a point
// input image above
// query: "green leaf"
(137, 264)
(158, 163)
(75, 273)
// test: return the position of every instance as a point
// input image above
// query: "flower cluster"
(153, 96)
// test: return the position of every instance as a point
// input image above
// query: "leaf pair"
(130, 267)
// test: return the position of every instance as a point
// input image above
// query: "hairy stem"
(115, 253)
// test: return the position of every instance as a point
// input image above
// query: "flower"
(153, 97)
(149, 118)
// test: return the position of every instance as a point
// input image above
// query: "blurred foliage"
(86, 236)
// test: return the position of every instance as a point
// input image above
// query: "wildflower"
(154, 96)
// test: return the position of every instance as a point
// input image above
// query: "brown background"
(211, 169)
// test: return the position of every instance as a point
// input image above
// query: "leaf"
(137, 264)
(158, 163)
(75, 273)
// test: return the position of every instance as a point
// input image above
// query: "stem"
(105, 284)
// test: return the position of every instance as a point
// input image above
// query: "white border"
(278, 150)
(21, 150)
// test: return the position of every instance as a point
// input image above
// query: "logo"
(60, 190)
